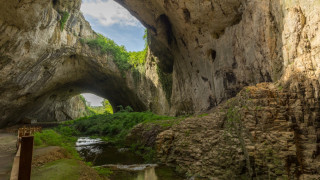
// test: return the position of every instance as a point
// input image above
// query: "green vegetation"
(103, 171)
(92, 110)
(147, 153)
(64, 19)
(115, 126)
(89, 110)
(107, 107)
(108, 46)
(63, 136)
(124, 60)
(67, 168)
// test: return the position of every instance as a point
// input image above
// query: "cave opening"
(96, 104)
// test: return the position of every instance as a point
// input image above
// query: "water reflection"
(125, 164)
(149, 173)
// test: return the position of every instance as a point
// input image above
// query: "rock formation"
(201, 54)
(43, 63)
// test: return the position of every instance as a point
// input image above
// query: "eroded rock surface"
(215, 48)
(264, 132)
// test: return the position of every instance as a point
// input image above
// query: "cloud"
(93, 99)
(108, 13)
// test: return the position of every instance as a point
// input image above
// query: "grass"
(65, 138)
(103, 171)
(114, 127)
(64, 19)
(58, 170)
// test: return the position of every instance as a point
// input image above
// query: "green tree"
(107, 106)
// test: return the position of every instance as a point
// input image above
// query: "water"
(124, 164)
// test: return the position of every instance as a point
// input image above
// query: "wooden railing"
(21, 168)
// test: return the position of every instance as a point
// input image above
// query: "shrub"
(53, 138)
(123, 59)
(103, 171)
(108, 46)
(115, 126)
(64, 19)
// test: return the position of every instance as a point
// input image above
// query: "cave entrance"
(96, 104)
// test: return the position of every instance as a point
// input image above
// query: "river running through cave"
(125, 164)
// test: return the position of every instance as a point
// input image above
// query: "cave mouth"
(97, 104)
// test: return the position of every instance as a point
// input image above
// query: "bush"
(115, 126)
(48, 137)
(64, 19)
(123, 59)
(108, 46)
(103, 171)
(64, 139)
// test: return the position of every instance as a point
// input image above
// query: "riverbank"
(53, 163)
(116, 144)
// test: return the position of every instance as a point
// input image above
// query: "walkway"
(7, 153)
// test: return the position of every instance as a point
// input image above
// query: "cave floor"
(7, 153)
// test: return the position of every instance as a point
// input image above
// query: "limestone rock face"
(264, 132)
(54, 109)
(215, 48)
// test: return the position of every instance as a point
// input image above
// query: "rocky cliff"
(201, 54)
(215, 48)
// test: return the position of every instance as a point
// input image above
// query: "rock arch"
(244, 40)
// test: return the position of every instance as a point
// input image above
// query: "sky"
(93, 99)
(113, 21)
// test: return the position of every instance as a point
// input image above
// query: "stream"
(125, 164)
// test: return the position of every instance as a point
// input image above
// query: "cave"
(244, 75)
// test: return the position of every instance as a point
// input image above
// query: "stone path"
(7, 153)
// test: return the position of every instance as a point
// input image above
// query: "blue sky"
(115, 22)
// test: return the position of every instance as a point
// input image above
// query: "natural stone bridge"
(202, 47)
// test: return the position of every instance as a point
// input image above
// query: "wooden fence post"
(25, 158)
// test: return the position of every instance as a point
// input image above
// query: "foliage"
(137, 58)
(103, 171)
(64, 19)
(147, 153)
(108, 46)
(89, 111)
(123, 59)
(107, 106)
(114, 126)
(97, 109)
(65, 138)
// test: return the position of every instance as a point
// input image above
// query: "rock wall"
(264, 132)
(55, 109)
(215, 48)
